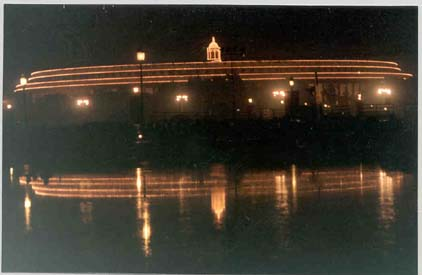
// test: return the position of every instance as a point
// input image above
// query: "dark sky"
(49, 36)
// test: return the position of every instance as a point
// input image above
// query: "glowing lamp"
(250, 100)
(360, 97)
(282, 102)
(135, 90)
(306, 103)
(82, 102)
(291, 82)
(140, 56)
(279, 93)
(23, 80)
(140, 136)
(386, 91)
(9, 106)
(182, 98)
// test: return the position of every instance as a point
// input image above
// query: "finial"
(213, 39)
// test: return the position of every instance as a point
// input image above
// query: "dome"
(213, 51)
(213, 44)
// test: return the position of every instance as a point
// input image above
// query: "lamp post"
(23, 82)
(140, 57)
(291, 96)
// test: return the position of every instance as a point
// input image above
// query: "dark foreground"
(257, 198)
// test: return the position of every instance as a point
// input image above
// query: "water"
(350, 220)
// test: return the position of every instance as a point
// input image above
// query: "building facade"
(216, 89)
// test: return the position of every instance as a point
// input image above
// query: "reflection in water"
(11, 174)
(143, 215)
(86, 211)
(255, 183)
(27, 205)
(139, 180)
(294, 188)
(386, 198)
(218, 204)
(361, 178)
(282, 193)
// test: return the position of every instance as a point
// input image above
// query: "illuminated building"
(215, 87)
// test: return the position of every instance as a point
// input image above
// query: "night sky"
(51, 36)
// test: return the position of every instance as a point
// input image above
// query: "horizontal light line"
(210, 75)
(234, 61)
(306, 78)
(214, 68)
(99, 84)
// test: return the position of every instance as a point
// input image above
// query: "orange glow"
(212, 68)
(23, 80)
(218, 203)
(294, 186)
(386, 199)
(138, 180)
(279, 93)
(245, 76)
(140, 56)
(182, 98)
(9, 106)
(135, 90)
(101, 84)
(27, 205)
(184, 185)
(386, 91)
(250, 100)
(282, 194)
(227, 62)
(82, 102)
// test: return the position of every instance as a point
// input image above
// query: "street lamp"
(292, 97)
(180, 99)
(23, 82)
(140, 57)
(291, 82)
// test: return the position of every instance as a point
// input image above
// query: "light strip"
(99, 84)
(207, 75)
(234, 61)
(213, 68)
(185, 81)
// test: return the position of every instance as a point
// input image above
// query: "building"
(215, 88)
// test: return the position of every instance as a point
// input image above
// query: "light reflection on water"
(287, 189)
(144, 231)
(27, 207)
